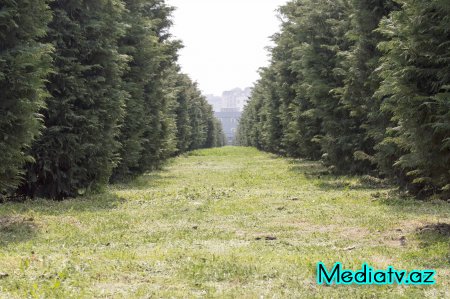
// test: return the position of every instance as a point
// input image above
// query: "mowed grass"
(229, 223)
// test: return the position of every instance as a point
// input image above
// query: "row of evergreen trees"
(363, 85)
(90, 92)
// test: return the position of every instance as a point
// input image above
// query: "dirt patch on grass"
(442, 229)
(353, 233)
(400, 235)
(9, 222)
(15, 229)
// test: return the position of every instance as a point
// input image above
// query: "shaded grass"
(230, 222)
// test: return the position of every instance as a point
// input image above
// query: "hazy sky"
(224, 40)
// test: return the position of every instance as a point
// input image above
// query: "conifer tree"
(24, 65)
(362, 80)
(159, 135)
(198, 120)
(300, 120)
(196, 125)
(250, 124)
(365, 96)
(219, 135)
(148, 132)
(300, 105)
(184, 88)
(416, 82)
(323, 27)
(78, 148)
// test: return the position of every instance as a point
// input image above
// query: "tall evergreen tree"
(197, 127)
(416, 82)
(248, 132)
(361, 82)
(300, 105)
(271, 126)
(184, 88)
(219, 134)
(323, 26)
(24, 65)
(147, 134)
(159, 136)
(301, 120)
(367, 97)
(78, 148)
(198, 120)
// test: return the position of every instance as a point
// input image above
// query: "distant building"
(228, 109)
(229, 117)
(216, 102)
(235, 98)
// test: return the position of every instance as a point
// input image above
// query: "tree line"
(364, 86)
(90, 92)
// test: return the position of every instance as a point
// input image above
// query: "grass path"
(230, 222)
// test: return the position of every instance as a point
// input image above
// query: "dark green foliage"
(165, 113)
(219, 134)
(78, 148)
(270, 113)
(300, 113)
(322, 29)
(211, 126)
(147, 134)
(201, 120)
(117, 104)
(24, 64)
(361, 82)
(363, 97)
(196, 125)
(248, 129)
(416, 80)
(183, 118)
(159, 137)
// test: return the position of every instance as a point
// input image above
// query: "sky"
(224, 40)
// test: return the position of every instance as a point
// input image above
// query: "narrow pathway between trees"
(229, 222)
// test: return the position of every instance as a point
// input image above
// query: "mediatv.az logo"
(367, 275)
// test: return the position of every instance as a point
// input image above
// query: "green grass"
(198, 229)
